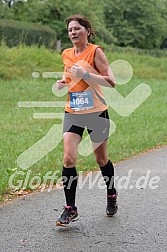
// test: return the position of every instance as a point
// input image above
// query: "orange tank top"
(76, 85)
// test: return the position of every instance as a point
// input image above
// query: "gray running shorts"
(97, 125)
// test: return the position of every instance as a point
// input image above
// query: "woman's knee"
(69, 160)
(101, 160)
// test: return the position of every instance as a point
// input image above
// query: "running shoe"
(69, 215)
(112, 205)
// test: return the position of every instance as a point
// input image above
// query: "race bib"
(81, 100)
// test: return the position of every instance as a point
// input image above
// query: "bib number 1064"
(81, 100)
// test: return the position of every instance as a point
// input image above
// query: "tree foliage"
(141, 24)
(136, 23)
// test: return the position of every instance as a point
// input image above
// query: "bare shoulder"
(99, 53)
(101, 61)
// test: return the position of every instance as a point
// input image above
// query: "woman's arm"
(103, 77)
(103, 67)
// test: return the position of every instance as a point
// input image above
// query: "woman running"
(86, 69)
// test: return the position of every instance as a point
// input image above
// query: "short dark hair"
(82, 20)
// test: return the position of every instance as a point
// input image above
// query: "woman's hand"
(60, 84)
(77, 71)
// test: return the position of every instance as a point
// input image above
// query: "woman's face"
(77, 33)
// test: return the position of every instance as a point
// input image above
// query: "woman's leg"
(107, 171)
(106, 166)
(69, 177)
(100, 151)
(71, 141)
(69, 173)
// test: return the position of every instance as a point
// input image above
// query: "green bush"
(16, 32)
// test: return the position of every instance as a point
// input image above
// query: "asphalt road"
(28, 224)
